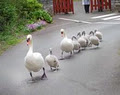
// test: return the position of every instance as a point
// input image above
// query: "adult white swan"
(33, 61)
(52, 60)
(66, 44)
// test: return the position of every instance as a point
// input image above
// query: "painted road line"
(86, 22)
(109, 18)
(77, 21)
(107, 22)
(103, 16)
(117, 19)
(69, 19)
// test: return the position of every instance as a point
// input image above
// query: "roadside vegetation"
(19, 18)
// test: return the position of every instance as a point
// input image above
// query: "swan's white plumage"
(52, 61)
(94, 39)
(98, 34)
(66, 44)
(75, 43)
(33, 61)
(86, 37)
(82, 41)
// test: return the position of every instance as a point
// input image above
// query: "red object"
(63, 6)
(97, 4)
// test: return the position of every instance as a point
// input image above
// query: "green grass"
(4, 45)
(7, 41)
(14, 36)
(13, 20)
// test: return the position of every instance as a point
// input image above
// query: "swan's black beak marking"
(28, 40)
(61, 32)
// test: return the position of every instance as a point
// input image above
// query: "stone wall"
(48, 5)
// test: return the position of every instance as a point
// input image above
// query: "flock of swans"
(34, 61)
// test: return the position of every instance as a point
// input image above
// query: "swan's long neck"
(30, 51)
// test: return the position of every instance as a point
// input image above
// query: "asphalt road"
(91, 72)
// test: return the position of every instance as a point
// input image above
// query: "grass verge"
(14, 35)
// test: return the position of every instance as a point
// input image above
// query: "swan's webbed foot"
(44, 74)
(52, 69)
(62, 58)
(97, 46)
(57, 68)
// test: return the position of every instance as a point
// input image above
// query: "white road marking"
(85, 22)
(89, 22)
(104, 15)
(107, 22)
(69, 19)
(113, 17)
(75, 20)
(117, 19)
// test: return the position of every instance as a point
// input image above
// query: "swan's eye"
(28, 39)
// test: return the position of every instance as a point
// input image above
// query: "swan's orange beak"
(28, 43)
(62, 34)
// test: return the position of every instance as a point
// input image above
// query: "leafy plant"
(46, 16)
(2, 23)
(30, 6)
(8, 15)
(41, 14)
(15, 15)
